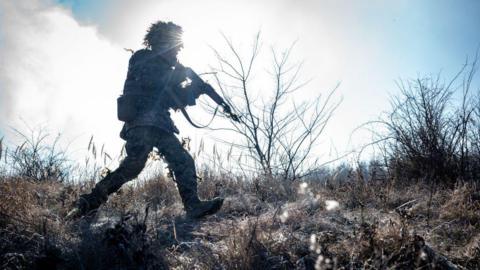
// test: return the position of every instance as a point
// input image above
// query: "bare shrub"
(431, 136)
(37, 159)
(277, 130)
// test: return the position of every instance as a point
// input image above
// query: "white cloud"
(58, 73)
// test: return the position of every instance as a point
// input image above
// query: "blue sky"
(451, 24)
(87, 10)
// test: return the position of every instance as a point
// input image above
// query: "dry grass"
(374, 226)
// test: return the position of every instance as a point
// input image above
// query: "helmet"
(165, 34)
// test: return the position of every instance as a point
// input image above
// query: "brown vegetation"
(375, 225)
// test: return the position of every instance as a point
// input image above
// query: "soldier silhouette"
(155, 83)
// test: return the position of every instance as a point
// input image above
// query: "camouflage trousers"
(140, 142)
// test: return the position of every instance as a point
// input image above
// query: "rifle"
(207, 89)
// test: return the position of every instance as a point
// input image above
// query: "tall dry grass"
(330, 223)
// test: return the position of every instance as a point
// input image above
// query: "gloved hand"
(228, 111)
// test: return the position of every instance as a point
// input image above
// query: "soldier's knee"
(184, 167)
(184, 162)
(188, 161)
(133, 164)
(132, 167)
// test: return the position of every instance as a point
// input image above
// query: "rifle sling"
(185, 114)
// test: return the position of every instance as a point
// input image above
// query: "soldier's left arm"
(188, 93)
(186, 90)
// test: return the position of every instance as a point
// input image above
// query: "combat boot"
(87, 204)
(199, 209)
(194, 207)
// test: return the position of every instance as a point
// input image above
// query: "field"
(343, 219)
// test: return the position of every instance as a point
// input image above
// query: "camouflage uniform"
(158, 81)
(155, 80)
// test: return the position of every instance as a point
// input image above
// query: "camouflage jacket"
(161, 85)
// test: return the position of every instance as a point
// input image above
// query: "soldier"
(155, 83)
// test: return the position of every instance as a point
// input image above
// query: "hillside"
(330, 224)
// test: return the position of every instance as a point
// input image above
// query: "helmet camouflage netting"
(163, 32)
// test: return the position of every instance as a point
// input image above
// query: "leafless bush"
(278, 130)
(37, 159)
(431, 136)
